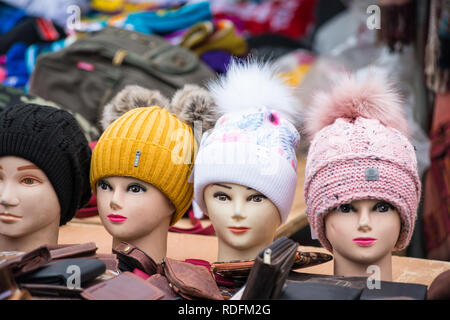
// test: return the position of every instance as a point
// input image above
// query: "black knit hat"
(52, 139)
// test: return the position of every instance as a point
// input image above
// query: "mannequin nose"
(8, 197)
(115, 201)
(364, 221)
(237, 215)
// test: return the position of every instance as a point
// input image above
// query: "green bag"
(86, 75)
(11, 96)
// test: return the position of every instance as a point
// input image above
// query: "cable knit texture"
(356, 157)
(51, 139)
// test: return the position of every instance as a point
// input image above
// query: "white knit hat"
(253, 143)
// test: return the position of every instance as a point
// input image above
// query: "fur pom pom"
(252, 84)
(193, 103)
(128, 98)
(368, 94)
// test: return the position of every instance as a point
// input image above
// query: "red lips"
(117, 218)
(364, 241)
(238, 230)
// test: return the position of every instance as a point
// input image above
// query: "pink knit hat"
(360, 150)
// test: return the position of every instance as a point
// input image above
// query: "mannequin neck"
(45, 236)
(153, 244)
(349, 268)
(230, 253)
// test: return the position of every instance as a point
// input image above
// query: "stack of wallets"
(169, 280)
(59, 271)
(304, 286)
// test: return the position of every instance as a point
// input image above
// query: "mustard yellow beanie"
(153, 145)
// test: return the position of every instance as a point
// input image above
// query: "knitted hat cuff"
(220, 162)
(47, 158)
(345, 181)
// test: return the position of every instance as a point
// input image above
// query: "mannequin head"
(139, 171)
(363, 232)
(22, 186)
(44, 168)
(361, 174)
(130, 208)
(245, 171)
(245, 220)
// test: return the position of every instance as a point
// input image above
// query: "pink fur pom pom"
(367, 94)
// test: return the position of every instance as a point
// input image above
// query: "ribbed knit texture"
(51, 139)
(338, 158)
(167, 150)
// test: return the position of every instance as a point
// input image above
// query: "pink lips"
(238, 230)
(364, 241)
(116, 218)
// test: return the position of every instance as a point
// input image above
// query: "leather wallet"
(297, 290)
(73, 251)
(28, 262)
(238, 270)
(58, 272)
(131, 257)
(190, 281)
(271, 268)
(162, 283)
(126, 286)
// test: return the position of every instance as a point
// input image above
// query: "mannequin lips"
(9, 217)
(364, 241)
(238, 230)
(117, 218)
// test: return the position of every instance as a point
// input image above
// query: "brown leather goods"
(271, 268)
(309, 259)
(162, 283)
(238, 270)
(84, 250)
(29, 261)
(73, 251)
(190, 281)
(126, 286)
(133, 258)
(439, 289)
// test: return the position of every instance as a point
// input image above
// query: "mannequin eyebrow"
(31, 166)
(223, 186)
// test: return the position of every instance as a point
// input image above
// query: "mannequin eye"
(345, 208)
(102, 184)
(136, 188)
(221, 196)
(29, 181)
(383, 207)
(256, 198)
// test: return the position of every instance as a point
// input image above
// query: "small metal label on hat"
(372, 174)
(136, 159)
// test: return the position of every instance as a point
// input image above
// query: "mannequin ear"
(193, 103)
(128, 98)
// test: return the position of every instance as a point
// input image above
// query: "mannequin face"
(242, 217)
(28, 202)
(130, 208)
(363, 231)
